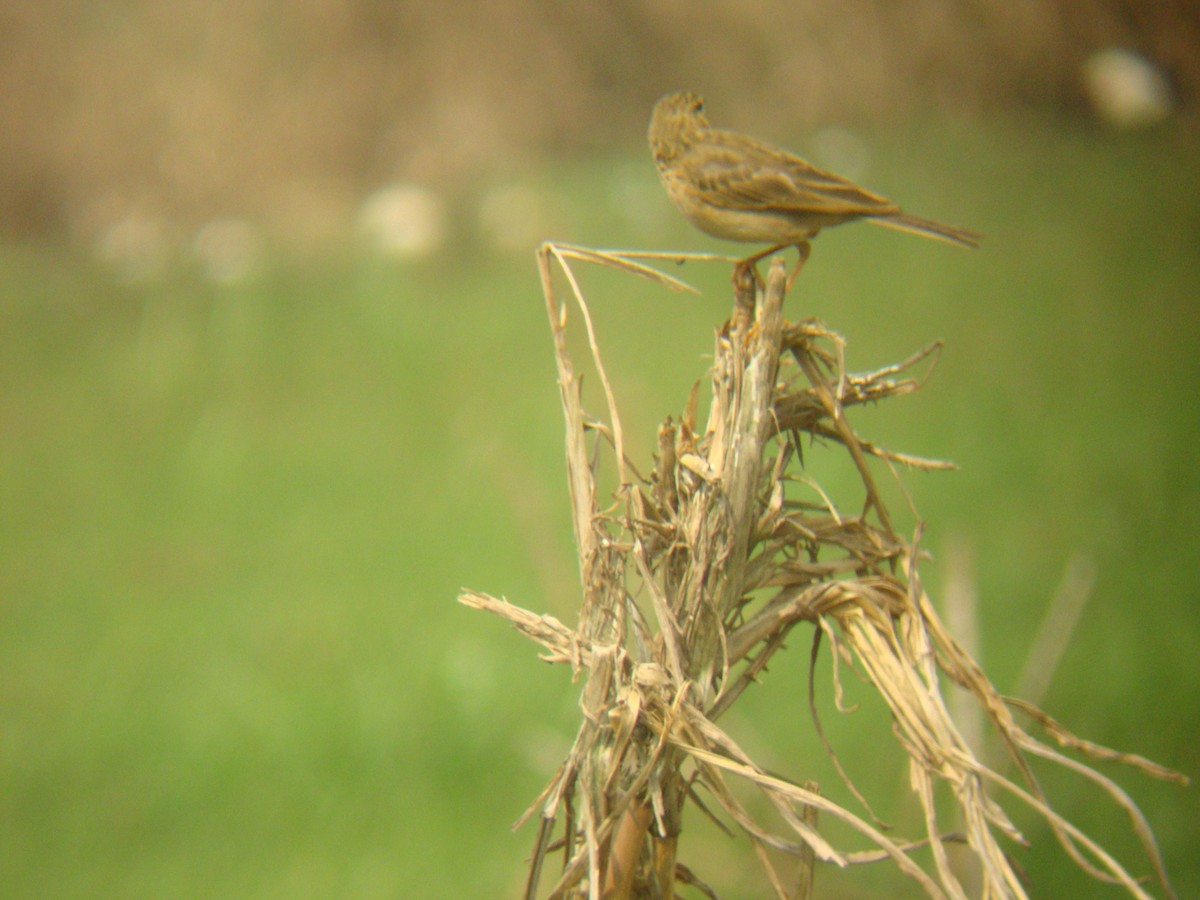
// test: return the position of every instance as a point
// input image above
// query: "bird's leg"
(802, 249)
(744, 269)
(750, 263)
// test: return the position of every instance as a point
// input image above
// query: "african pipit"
(733, 187)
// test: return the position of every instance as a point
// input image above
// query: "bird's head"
(675, 123)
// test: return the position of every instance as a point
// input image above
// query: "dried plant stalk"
(670, 634)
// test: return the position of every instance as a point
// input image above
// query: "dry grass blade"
(622, 261)
(693, 579)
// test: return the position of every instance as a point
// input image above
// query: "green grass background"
(233, 521)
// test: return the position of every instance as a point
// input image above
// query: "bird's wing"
(732, 172)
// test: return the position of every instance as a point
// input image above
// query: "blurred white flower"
(403, 220)
(230, 250)
(135, 245)
(1126, 90)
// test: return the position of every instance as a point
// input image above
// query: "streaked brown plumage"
(735, 188)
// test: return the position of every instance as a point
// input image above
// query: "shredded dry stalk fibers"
(690, 584)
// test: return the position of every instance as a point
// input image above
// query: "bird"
(736, 188)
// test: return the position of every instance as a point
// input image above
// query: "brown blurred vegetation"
(286, 113)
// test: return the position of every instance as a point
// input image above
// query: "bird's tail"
(930, 228)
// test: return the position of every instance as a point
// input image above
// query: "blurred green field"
(234, 519)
